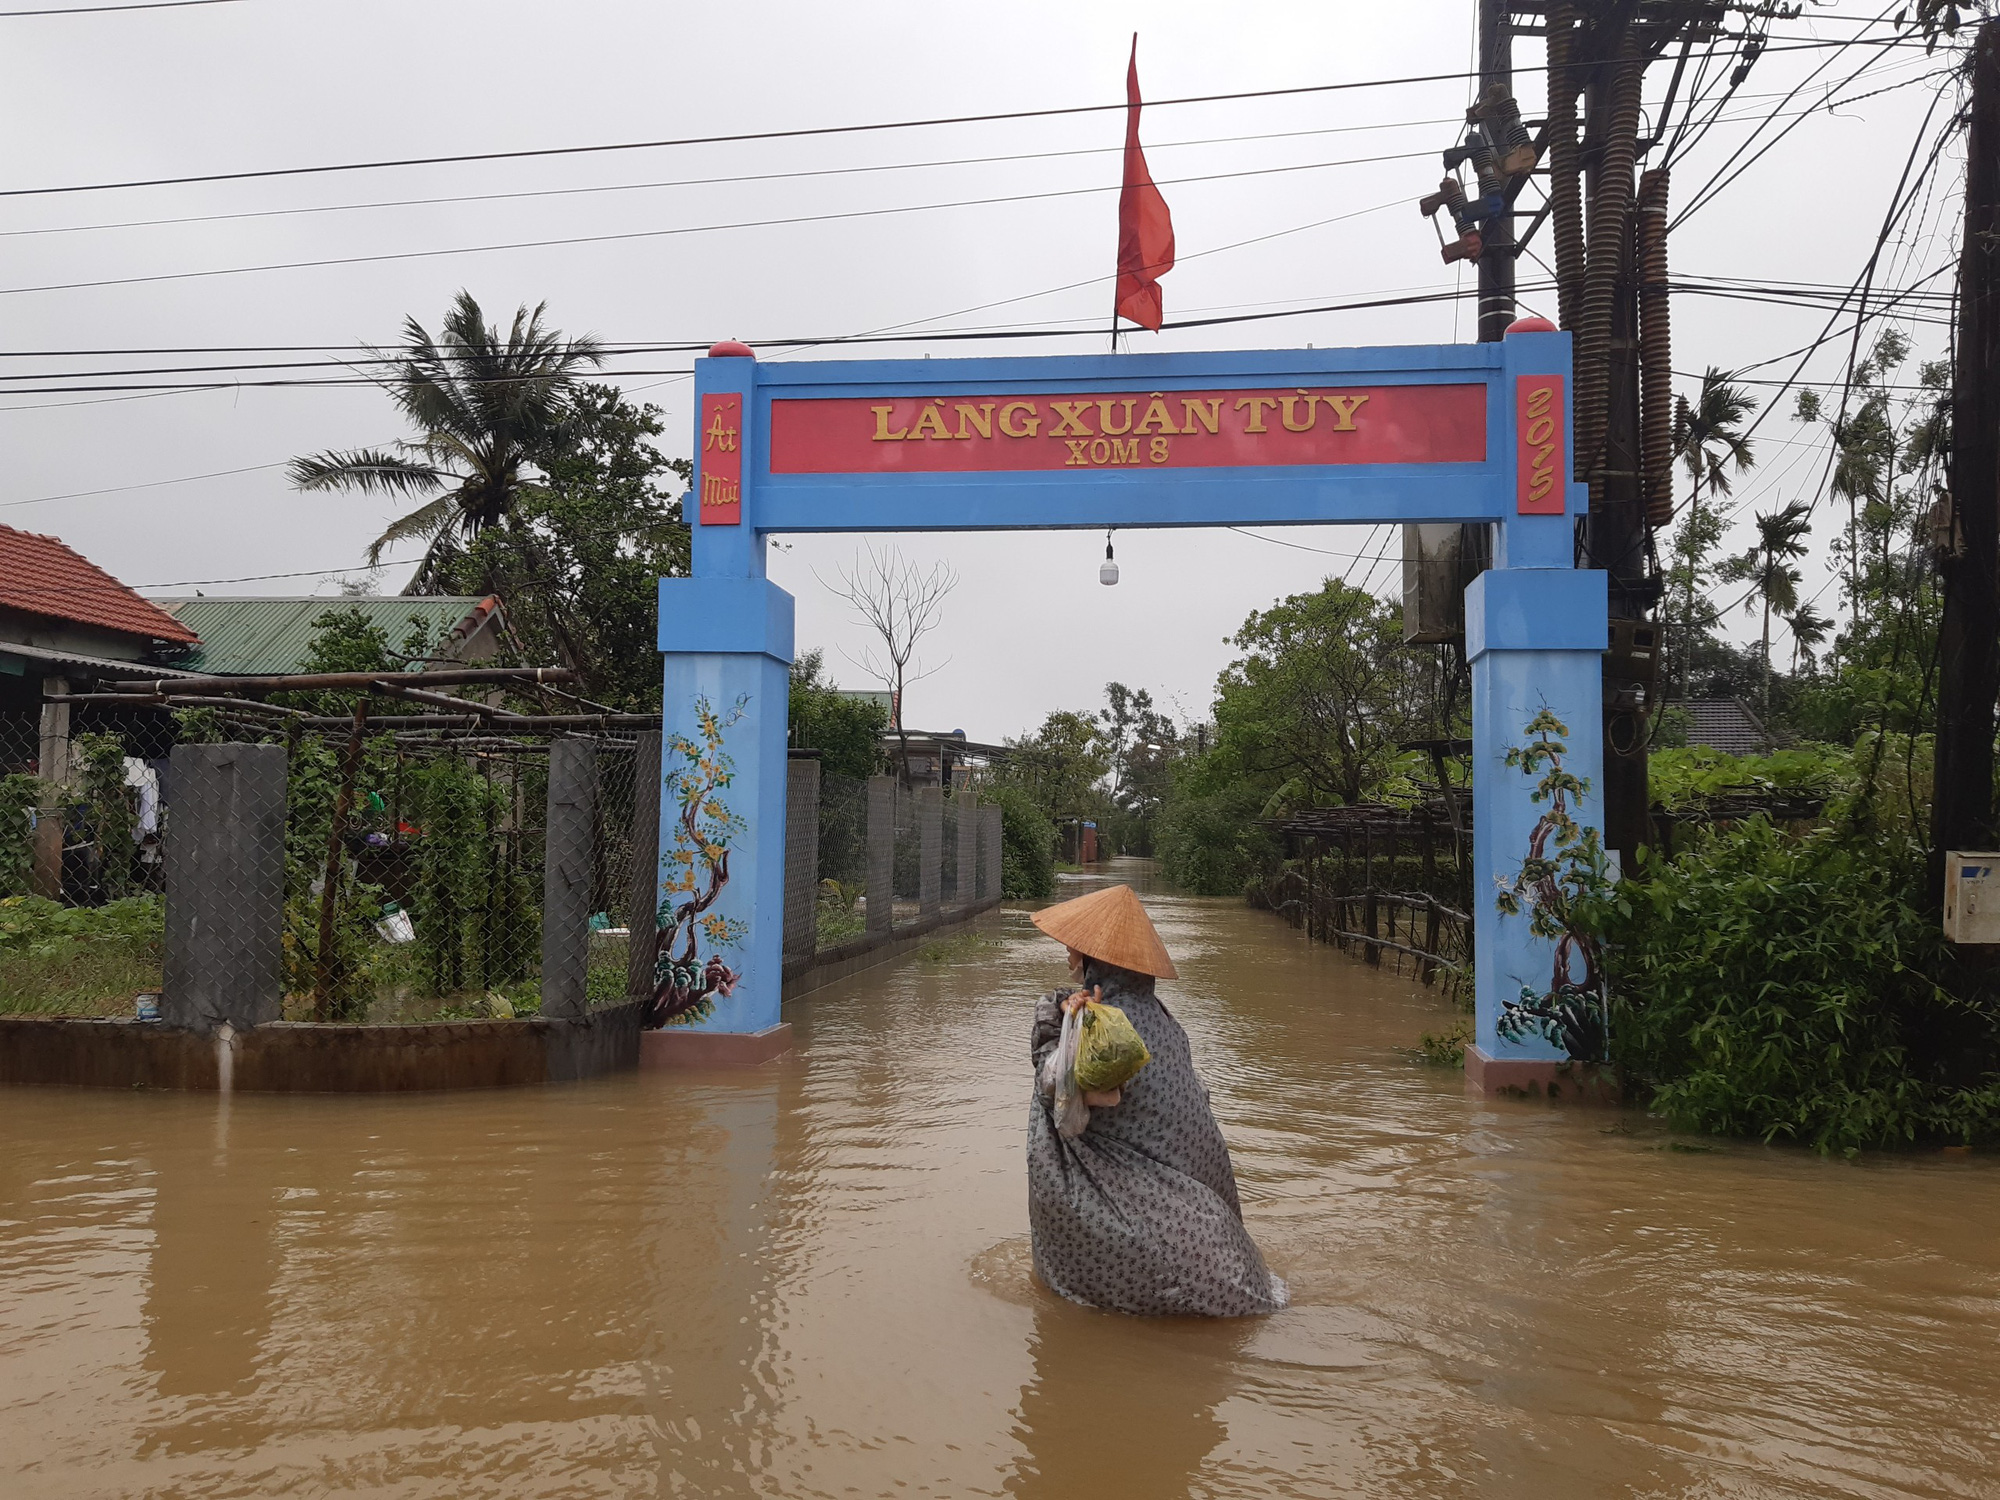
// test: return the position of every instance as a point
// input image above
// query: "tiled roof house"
(62, 615)
(1725, 724)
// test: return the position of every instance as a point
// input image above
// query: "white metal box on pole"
(1971, 897)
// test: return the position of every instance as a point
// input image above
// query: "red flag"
(1145, 228)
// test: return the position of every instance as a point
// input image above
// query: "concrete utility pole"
(1969, 634)
(1496, 260)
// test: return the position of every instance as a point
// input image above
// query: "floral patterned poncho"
(1139, 1213)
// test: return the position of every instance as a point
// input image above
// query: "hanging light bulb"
(1107, 571)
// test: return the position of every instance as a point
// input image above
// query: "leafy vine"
(684, 985)
(1565, 864)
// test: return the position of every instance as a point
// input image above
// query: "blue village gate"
(1456, 432)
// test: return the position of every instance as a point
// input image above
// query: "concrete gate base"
(680, 1048)
(1538, 1078)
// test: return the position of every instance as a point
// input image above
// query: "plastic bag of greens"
(1108, 1049)
(1058, 1080)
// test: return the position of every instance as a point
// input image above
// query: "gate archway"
(1445, 433)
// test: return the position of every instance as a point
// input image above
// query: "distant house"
(949, 760)
(1725, 724)
(262, 637)
(61, 615)
(882, 698)
(66, 627)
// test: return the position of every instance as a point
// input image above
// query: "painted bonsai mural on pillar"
(1565, 864)
(694, 873)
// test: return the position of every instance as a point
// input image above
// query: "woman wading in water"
(1139, 1213)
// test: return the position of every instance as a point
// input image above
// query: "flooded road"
(813, 1280)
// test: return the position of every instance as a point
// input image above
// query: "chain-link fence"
(266, 871)
(890, 857)
(263, 863)
(842, 861)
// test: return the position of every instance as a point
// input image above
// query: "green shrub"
(1794, 988)
(1213, 845)
(78, 960)
(104, 809)
(477, 920)
(1684, 776)
(19, 796)
(1027, 845)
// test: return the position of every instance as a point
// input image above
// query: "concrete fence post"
(568, 865)
(642, 911)
(801, 856)
(881, 855)
(990, 837)
(225, 874)
(54, 768)
(930, 850)
(967, 853)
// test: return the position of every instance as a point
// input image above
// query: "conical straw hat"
(1109, 925)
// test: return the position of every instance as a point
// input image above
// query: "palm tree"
(1809, 629)
(486, 408)
(1709, 439)
(1767, 567)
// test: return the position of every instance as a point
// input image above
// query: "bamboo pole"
(315, 682)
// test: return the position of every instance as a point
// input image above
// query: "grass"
(78, 961)
(402, 999)
(92, 961)
(1446, 1049)
(957, 949)
(839, 923)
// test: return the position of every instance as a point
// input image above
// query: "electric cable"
(801, 174)
(644, 234)
(1802, 45)
(105, 10)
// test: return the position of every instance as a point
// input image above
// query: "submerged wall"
(309, 1058)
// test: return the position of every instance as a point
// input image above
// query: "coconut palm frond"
(368, 470)
(426, 521)
(485, 407)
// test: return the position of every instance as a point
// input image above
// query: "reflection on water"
(813, 1280)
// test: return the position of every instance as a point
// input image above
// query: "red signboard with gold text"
(1539, 444)
(1386, 424)
(722, 460)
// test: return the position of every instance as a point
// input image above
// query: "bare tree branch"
(902, 603)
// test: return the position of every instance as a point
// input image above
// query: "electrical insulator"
(1449, 195)
(1466, 247)
(1492, 185)
(1514, 148)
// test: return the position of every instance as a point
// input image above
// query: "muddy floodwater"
(813, 1280)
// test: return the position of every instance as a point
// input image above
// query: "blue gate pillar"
(1535, 633)
(727, 635)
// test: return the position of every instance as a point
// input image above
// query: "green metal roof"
(259, 637)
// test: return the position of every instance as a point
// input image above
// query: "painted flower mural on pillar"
(694, 873)
(1565, 863)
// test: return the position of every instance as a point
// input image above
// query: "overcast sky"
(281, 83)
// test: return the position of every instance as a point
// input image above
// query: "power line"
(715, 140)
(800, 132)
(189, 583)
(646, 234)
(1781, 294)
(1717, 181)
(810, 172)
(150, 484)
(105, 10)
